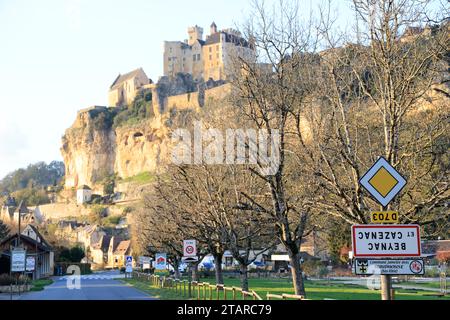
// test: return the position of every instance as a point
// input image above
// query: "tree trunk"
(176, 265)
(244, 277)
(194, 268)
(296, 271)
(177, 272)
(218, 268)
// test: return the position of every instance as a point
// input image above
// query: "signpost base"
(386, 286)
(189, 281)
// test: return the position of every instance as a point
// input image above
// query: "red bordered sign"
(386, 241)
(189, 248)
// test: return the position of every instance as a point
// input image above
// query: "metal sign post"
(128, 265)
(190, 280)
(384, 183)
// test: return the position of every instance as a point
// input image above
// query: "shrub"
(96, 199)
(74, 254)
(102, 119)
(111, 221)
(322, 271)
(127, 210)
(97, 213)
(140, 109)
(315, 268)
(431, 272)
(109, 183)
(310, 267)
(6, 279)
(32, 196)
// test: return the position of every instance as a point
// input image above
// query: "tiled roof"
(114, 242)
(39, 235)
(23, 207)
(122, 78)
(435, 246)
(123, 247)
(103, 243)
(215, 38)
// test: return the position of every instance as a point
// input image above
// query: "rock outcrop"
(93, 150)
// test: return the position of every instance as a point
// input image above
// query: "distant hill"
(29, 183)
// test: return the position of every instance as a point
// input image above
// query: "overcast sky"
(57, 57)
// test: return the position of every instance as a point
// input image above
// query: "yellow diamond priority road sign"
(383, 182)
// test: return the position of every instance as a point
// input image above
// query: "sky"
(60, 56)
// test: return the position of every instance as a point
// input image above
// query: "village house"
(10, 213)
(35, 245)
(99, 252)
(125, 88)
(117, 251)
(88, 235)
(436, 249)
(84, 194)
(67, 230)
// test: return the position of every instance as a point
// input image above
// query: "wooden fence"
(284, 296)
(205, 290)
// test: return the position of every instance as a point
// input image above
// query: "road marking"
(94, 277)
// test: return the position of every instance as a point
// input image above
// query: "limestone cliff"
(142, 147)
(92, 149)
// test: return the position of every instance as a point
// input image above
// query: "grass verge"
(158, 293)
(315, 290)
(38, 285)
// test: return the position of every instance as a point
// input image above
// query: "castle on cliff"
(205, 61)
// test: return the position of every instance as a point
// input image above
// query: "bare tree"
(384, 96)
(268, 88)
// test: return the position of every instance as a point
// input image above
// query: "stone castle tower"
(208, 58)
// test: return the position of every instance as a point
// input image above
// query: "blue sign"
(129, 259)
(161, 261)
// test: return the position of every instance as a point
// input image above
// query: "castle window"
(210, 49)
(210, 57)
(194, 56)
(198, 57)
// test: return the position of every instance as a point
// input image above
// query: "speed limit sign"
(189, 248)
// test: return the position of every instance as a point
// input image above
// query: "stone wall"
(61, 210)
(183, 101)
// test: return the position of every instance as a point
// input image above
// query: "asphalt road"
(97, 286)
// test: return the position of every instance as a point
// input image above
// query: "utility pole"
(18, 233)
